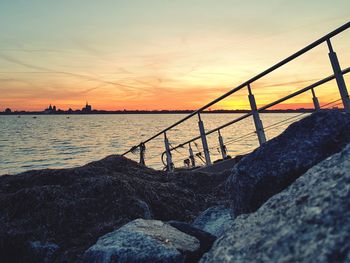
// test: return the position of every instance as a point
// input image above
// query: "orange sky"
(165, 56)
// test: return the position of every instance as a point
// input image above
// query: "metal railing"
(259, 129)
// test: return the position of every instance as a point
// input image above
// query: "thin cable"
(241, 137)
(290, 118)
(267, 128)
(330, 103)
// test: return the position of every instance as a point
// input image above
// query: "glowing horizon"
(163, 55)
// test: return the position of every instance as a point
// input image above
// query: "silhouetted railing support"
(339, 77)
(258, 123)
(222, 146)
(204, 141)
(169, 161)
(142, 153)
(193, 161)
(315, 100)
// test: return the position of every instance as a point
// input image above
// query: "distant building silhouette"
(8, 111)
(50, 109)
(87, 108)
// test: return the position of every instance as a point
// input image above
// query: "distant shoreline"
(78, 112)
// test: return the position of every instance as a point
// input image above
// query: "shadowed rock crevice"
(215, 220)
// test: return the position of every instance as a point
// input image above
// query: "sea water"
(59, 141)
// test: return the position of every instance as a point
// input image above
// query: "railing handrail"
(314, 85)
(251, 80)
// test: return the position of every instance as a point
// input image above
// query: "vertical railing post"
(169, 162)
(315, 100)
(339, 77)
(193, 161)
(258, 123)
(222, 146)
(142, 153)
(204, 140)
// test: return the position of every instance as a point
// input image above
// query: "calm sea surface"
(56, 141)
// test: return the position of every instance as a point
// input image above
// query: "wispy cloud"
(128, 88)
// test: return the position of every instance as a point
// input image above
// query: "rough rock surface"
(215, 220)
(42, 252)
(74, 207)
(280, 161)
(307, 222)
(142, 241)
(205, 239)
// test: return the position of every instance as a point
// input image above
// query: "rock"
(17, 249)
(215, 220)
(42, 252)
(206, 239)
(307, 222)
(143, 241)
(20, 250)
(275, 165)
(74, 207)
(147, 213)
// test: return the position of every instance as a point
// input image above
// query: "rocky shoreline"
(287, 201)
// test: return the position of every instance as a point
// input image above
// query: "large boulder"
(74, 207)
(215, 220)
(277, 163)
(307, 222)
(143, 241)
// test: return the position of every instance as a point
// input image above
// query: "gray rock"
(143, 241)
(280, 161)
(42, 251)
(205, 239)
(74, 207)
(307, 222)
(215, 220)
(147, 213)
(21, 250)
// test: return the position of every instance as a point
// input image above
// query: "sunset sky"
(162, 54)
